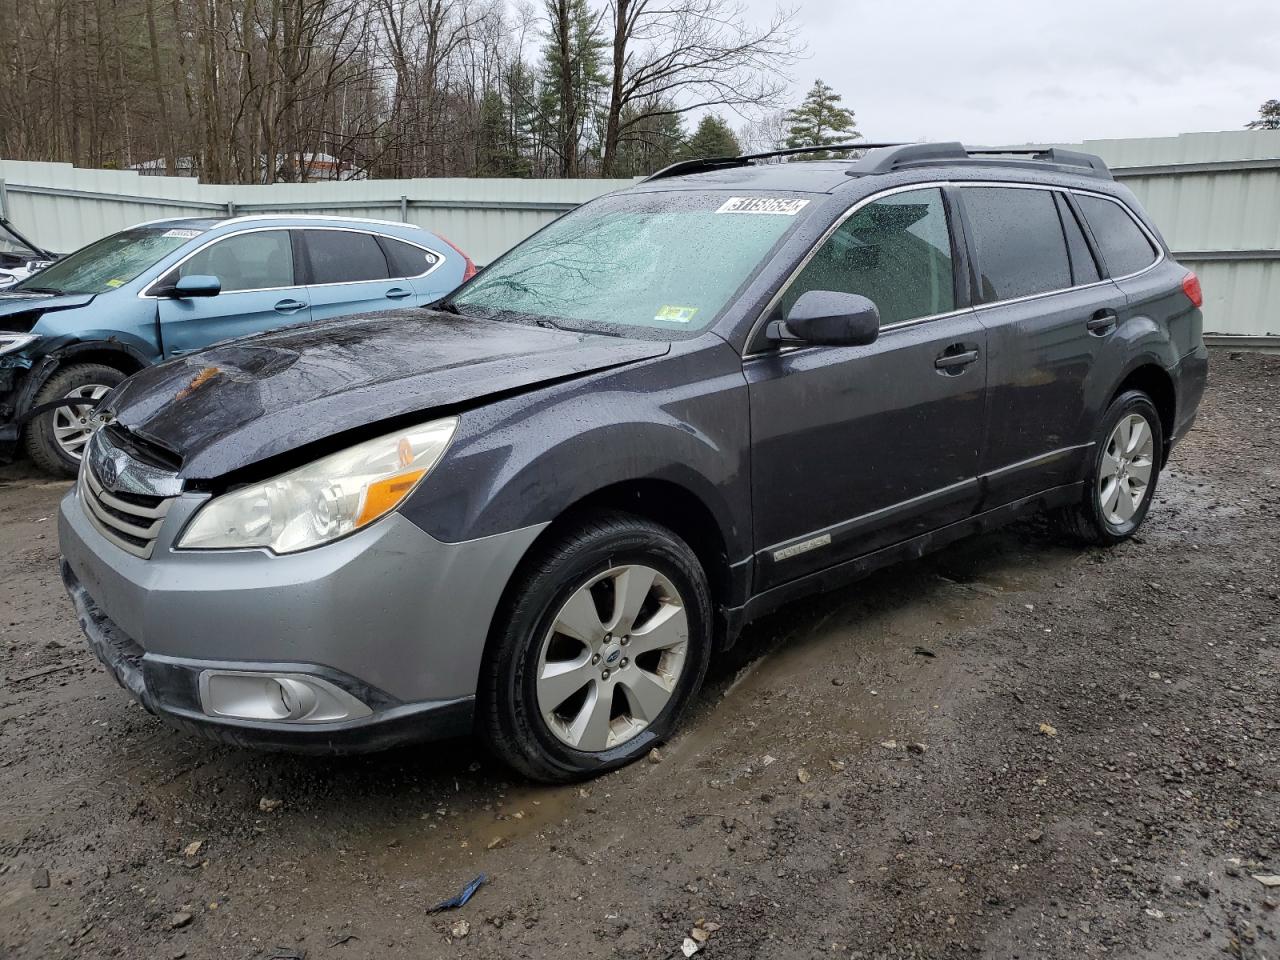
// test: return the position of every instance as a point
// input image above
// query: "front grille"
(129, 520)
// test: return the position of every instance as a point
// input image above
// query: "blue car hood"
(258, 397)
(21, 301)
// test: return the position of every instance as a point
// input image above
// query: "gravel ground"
(1010, 749)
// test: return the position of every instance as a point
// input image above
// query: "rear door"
(420, 268)
(1048, 314)
(855, 448)
(259, 292)
(349, 273)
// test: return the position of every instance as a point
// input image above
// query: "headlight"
(324, 500)
(13, 342)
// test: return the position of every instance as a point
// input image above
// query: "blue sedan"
(159, 290)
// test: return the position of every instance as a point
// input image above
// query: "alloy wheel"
(612, 658)
(1127, 465)
(71, 427)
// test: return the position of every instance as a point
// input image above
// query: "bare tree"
(683, 55)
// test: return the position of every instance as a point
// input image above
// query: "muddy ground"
(1013, 748)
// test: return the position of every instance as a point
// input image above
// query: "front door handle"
(954, 359)
(399, 293)
(1102, 323)
(289, 306)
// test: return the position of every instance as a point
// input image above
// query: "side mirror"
(828, 318)
(195, 285)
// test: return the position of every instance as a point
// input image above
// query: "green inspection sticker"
(668, 314)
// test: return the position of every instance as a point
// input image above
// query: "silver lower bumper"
(389, 606)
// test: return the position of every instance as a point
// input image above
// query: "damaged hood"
(21, 301)
(244, 401)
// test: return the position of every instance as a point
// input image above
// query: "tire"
(535, 733)
(1106, 515)
(61, 459)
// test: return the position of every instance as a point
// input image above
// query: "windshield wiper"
(38, 290)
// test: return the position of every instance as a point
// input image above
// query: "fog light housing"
(276, 697)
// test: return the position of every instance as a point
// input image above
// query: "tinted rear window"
(1124, 247)
(405, 259)
(1083, 267)
(1018, 243)
(343, 256)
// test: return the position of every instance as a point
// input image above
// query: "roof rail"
(883, 158)
(707, 164)
(922, 154)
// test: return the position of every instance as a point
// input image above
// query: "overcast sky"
(999, 71)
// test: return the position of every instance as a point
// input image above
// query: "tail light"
(470, 270)
(1191, 287)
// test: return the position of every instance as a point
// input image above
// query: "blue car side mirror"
(195, 286)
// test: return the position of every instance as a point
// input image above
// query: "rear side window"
(344, 256)
(1083, 267)
(896, 252)
(1019, 247)
(260, 260)
(405, 259)
(1124, 247)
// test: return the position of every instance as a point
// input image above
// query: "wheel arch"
(661, 501)
(120, 356)
(1153, 380)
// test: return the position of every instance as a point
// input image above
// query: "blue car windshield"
(668, 261)
(110, 262)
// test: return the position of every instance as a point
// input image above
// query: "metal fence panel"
(1216, 197)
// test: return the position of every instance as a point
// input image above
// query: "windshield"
(110, 262)
(656, 261)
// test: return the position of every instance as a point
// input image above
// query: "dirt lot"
(1010, 749)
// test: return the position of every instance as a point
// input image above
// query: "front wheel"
(602, 643)
(56, 439)
(1122, 477)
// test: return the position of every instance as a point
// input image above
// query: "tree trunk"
(613, 124)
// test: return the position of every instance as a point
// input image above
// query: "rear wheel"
(602, 644)
(1123, 475)
(56, 439)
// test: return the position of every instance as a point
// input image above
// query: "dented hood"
(22, 301)
(244, 401)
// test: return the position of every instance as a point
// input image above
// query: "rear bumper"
(1189, 380)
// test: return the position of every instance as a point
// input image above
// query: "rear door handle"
(289, 306)
(1100, 324)
(948, 362)
(399, 293)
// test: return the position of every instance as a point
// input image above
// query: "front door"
(857, 448)
(256, 270)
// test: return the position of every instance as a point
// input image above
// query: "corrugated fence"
(1216, 197)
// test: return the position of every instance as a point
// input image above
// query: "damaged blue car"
(76, 329)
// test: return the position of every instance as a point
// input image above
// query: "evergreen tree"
(1268, 117)
(653, 138)
(496, 151)
(713, 138)
(821, 121)
(572, 77)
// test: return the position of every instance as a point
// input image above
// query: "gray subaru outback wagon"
(538, 508)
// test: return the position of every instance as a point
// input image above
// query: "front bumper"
(390, 615)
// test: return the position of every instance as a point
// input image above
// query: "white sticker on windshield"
(780, 206)
(181, 234)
